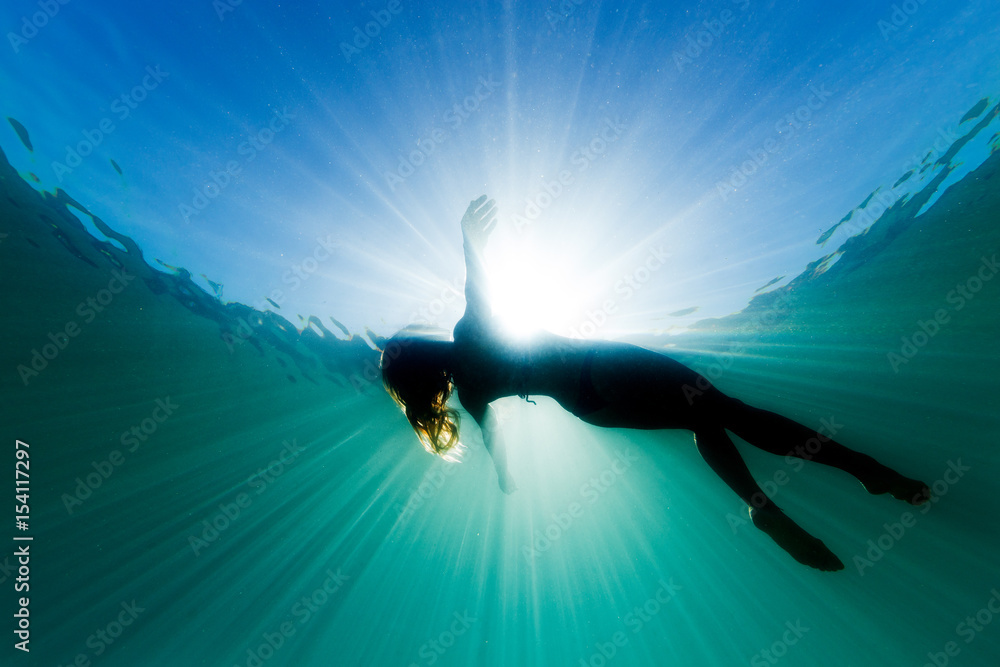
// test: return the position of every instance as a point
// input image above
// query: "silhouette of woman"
(607, 384)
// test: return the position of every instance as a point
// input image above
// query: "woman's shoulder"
(471, 328)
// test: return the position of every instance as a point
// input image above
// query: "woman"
(606, 384)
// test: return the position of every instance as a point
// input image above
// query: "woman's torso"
(489, 365)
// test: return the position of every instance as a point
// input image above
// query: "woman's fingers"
(470, 212)
(478, 211)
(475, 207)
(481, 215)
(488, 210)
(490, 220)
(485, 208)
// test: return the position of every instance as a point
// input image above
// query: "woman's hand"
(507, 484)
(478, 221)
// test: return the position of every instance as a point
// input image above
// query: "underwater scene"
(216, 213)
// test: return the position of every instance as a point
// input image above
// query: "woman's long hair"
(415, 375)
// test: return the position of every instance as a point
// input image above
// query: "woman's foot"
(802, 546)
(902, 488)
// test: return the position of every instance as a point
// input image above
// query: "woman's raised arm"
(477, 223)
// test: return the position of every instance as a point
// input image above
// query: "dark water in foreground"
(211, 487)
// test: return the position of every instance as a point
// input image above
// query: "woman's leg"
(723, 458)
(647, 390)
(784, 437)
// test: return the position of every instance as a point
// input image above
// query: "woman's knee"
(712, 408)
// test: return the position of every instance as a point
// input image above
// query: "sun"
(530, 292)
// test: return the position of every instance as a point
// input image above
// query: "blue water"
(214, 214)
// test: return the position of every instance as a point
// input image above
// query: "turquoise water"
(219, 481)
(613, 536)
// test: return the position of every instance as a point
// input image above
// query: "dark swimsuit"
(589, 400)
(524, 375)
